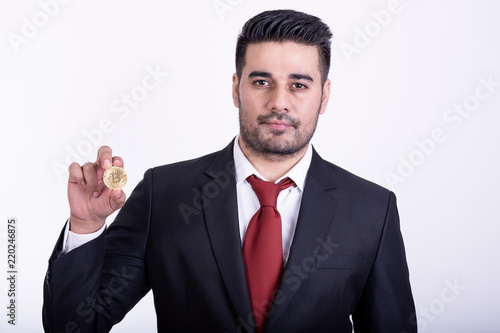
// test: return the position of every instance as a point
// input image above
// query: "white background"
(63, 78)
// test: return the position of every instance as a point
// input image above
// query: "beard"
(275, 143)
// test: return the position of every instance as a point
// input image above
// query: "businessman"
(262, 236)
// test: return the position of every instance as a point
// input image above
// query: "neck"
(271, 166)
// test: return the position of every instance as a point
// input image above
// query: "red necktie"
(262, 248)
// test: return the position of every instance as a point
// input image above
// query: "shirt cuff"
(73, 240)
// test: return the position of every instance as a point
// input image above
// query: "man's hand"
(90, 201)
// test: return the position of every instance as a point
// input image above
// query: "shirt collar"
(244, 168)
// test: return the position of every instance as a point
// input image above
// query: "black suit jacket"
(178, 235)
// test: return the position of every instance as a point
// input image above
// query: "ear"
(235, 90)
(325, 97)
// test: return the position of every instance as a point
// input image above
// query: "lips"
(279, 125)
(278, 121)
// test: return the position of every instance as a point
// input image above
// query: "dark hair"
(286, 25)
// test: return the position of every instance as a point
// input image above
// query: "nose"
(279, 99)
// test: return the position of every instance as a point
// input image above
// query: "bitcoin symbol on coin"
(115, 178)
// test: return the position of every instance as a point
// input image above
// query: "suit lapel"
(221, 214)
(315, 215)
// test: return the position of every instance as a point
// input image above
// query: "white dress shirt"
(248, 204)
(288, 200)
(73, 240)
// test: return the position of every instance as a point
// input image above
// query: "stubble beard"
(272, 144)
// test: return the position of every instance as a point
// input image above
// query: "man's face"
(280, 97)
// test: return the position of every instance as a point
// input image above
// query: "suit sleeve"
(386, 305)
(92, 287)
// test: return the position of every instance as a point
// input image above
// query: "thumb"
(117, 199)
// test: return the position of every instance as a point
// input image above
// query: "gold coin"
(115, 177)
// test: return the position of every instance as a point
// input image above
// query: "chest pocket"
(340, 261)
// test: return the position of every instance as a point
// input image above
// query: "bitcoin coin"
(115, 177)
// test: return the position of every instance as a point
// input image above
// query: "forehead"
(286, 57)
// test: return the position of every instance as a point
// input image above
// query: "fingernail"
(95, 194)
(106, 163)
(117, 194)
(83, 182)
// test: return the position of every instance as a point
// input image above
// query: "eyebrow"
(261, 74)
(294, 76)
(301, 77)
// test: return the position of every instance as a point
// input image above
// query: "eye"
(298, 85)
(261, 83)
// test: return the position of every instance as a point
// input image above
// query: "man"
(217, 256)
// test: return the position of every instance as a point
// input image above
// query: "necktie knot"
(268, 192)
